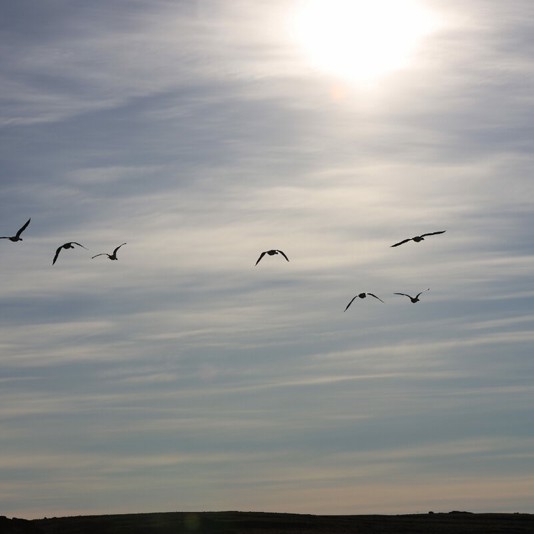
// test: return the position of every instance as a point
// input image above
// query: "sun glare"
(362, 39)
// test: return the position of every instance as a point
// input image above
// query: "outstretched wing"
(261, 256)
(352, 300)
(102, 254)
(23, 227)
(418, 294)
(404, 294)
(434, 233)
(57, 254)
(115, 251)
(281, 252)
(402, 242)
(375, 297)
(79, 244)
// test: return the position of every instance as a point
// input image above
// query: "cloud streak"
(198, 133)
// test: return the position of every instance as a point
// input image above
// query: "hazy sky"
(182, 377)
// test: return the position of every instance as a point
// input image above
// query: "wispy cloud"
(197, 133)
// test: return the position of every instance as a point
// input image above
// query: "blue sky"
(183, 377)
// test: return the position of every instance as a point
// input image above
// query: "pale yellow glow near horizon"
(362, 40)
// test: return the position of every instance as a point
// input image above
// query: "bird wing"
(403, 294)
(115, 251)
(23, 227)
(417, 296)
(261, 256)
(433, 233)
(281, 252)
(372, 295)
(402, 242)
(79, 244)
(352, 300)
(57, 254)
(102, 254)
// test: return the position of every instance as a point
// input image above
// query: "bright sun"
(362, 39)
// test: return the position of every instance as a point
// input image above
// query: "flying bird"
(17, 237)
(413, 299)
(362, 296)
(271, 253)
(68, 245)
(110, 256)
(417, 238)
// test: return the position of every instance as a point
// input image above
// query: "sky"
(183, 377)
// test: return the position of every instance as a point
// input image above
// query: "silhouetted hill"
(273, 523)
(18, 526)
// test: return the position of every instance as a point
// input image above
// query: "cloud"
(184, 373)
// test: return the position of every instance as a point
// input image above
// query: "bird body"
(418, 238)
(17, 237)
(271, 253)
(110, 256)
(362, 296)
(413, 299)
(66, 246)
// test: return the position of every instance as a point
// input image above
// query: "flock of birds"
(416, 239)
(272, 252)
(65, 246)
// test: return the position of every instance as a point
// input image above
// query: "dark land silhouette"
(273, 523)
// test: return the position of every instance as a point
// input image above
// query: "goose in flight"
(68, 245)
(417, 238)
(17, 237)
(362, 296)
(271, 253)
(413, 299)
(110, 256)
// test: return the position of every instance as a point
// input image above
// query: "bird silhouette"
(271, 253)
(417, 238)
(413, 299)
(362, 296)
(68, 245)
(110, 256)
(17, 237)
